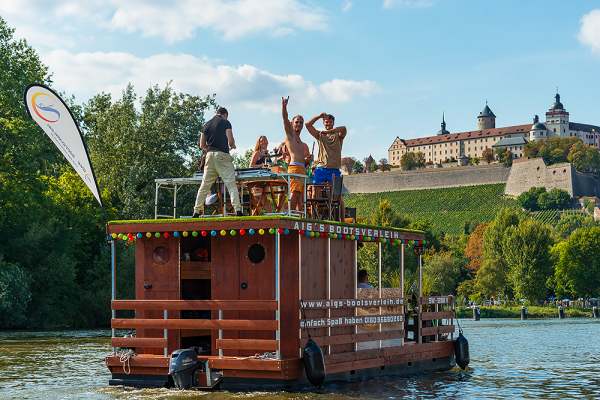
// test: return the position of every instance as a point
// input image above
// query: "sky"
(383, 68)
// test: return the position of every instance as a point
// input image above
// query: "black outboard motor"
(314, 363)
(461, 351)
(183, 365)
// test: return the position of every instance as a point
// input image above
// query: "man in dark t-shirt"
(217, 139)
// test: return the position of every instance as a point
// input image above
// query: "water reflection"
(510, 359)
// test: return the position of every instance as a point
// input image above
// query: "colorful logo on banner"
(43, 105)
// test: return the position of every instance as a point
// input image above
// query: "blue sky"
(384, 68)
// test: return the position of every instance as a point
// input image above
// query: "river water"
(510, 359)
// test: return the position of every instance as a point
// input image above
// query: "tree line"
(54, 254)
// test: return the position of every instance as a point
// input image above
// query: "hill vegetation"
(446, 209)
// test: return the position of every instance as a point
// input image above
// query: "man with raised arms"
(295, 147)
(330, 150)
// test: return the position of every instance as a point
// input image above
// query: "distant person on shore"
(217, 139)
(329, 159)
(363, 278)
(261, 157)
(295, 150)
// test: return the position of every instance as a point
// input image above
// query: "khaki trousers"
(218, 164)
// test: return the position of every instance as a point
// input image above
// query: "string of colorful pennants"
(131, 236)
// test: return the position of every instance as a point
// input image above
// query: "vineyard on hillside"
(446, 208)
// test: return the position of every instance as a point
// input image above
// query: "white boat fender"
(314, 363)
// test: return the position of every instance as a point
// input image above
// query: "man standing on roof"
(330, 150)
(295, 148)
(217, 139)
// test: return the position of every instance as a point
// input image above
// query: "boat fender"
(314, 363)
(461, 351)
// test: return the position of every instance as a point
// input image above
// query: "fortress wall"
(534, 173)
(425, 179)
(585, 185)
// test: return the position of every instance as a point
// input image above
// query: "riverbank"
(515, 312)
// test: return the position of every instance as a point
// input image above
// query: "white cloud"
(86, 74)
(406, 3)
(178, 19)
(589, 33)
(346, 6)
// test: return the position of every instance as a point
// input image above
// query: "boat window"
(256, 253)
(161, 255)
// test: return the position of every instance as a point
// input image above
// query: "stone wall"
(526, 174)
(426, 179)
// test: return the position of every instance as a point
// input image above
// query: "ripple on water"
(510, 359)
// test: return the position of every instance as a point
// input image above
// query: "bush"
(14, 295)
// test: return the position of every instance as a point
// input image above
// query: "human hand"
(284, 102)
(323, 115)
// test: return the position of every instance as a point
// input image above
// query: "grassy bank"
(515, 312)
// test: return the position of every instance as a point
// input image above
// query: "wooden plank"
(138, 370)
(260, 284)
(354, 365)
(351, 320)
(225, 324)
(139, 361)
(138, 342)
(343, 282)
(353, 356)
(289, 295)
(254, 374)
(195, 270)
(354, 338)
(437, 300)
(428, 316)
(251, 364)
(193, 305)
(436, 330)
(325, 304)
(248, 344)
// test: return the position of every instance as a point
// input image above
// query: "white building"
(446, 145)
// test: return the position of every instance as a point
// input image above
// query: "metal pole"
(220, 333)
(277, 297)
(156, 201)
(113, 266)
(402, 284)
(419, 302)
(175, 202)
(166, 334)
(379, 280)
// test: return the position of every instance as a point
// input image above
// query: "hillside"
(445, 208)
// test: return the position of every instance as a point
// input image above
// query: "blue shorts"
(323, 175)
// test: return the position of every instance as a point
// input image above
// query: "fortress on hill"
(446, 145)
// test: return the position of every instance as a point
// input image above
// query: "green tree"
(529, 200)
(242, 161)
(590, 208)
(131, 148)
(419, 159)
(526, 248)
(358, 167)
(407, 161)
(578, 265)
(445, 271)
(374, 166)
(492, 278)
(568, 224)
(475, 160)
(14, 295)
(555, 199)
(531, 149)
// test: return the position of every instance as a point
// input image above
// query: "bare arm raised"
(340, 129)
(309, 125)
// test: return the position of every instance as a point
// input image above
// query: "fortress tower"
(538, 130)
(486, 119)
(557, 119)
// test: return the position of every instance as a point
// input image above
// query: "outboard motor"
(314, 363)
(461, 351)
(183, 365)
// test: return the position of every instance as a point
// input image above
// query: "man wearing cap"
(217, 139)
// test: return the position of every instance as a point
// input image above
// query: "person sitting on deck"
(217, 139)
(260, 158)
(363, 278)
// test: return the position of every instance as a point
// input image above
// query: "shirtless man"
(295, 148)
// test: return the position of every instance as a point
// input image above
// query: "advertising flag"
(52, 114)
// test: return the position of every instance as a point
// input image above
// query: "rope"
(266, 356)
(125, 356)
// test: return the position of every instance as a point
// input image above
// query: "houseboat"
(244, 294)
